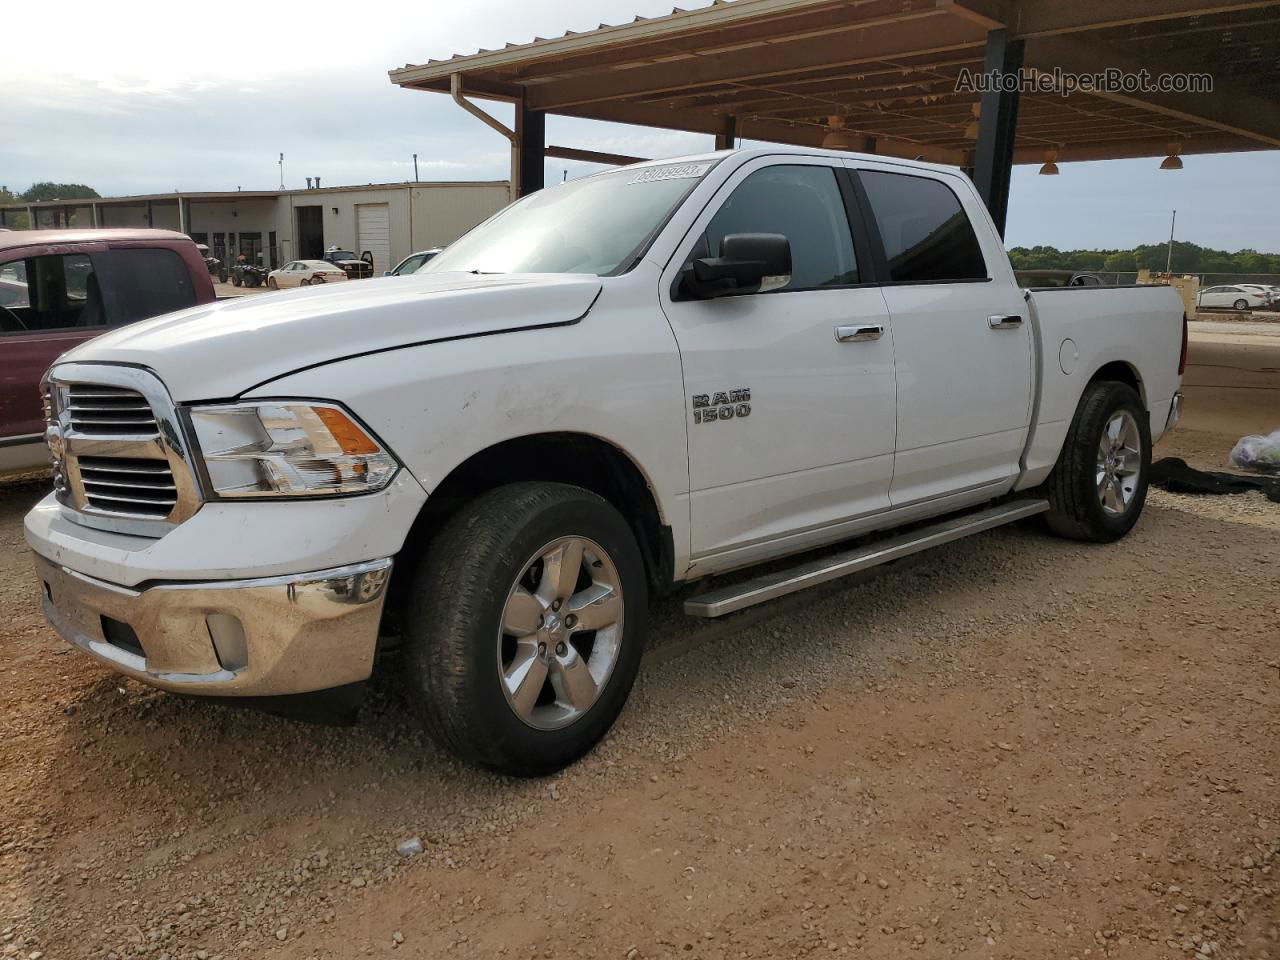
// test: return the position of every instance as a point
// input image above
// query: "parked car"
(356, 268)
(303, 273)
(413, 262)
(1235, 296)
(643, 377)
(1270, 294)
(59, 288)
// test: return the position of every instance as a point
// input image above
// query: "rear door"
(961, 330)
(790, 429)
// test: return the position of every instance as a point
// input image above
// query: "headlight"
(283, 449)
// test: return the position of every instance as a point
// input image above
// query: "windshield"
(600, 224)
(341, 255)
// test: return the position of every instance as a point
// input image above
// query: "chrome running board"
(770, 586)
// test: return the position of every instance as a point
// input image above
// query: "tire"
(271, 284)
(1241, 304)
(459, 652)
(235, 279)
(1097, 490)
(305, 282)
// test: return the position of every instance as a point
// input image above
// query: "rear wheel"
(235, 279)
(306, 282)
(1241, 304)
(1099, 485)
(525, 627)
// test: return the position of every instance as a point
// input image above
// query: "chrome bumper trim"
(261, 637)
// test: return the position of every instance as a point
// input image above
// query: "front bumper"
(267, 636)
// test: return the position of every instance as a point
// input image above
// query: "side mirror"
(386, 273)
(748, 263)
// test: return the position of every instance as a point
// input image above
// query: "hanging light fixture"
(1050, 168)
(838, 138)
(971, 128)
(1172, 161)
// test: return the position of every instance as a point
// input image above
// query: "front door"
(962, 338)
(790, 430)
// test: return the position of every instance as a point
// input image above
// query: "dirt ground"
(1014, 747)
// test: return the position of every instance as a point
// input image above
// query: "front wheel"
(235, 279)
(271, 284)
(525, 627)
(1099, 485)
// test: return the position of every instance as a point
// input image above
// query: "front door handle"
(854, 334)
(998, 322)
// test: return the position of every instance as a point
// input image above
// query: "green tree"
(1122, 261)
(47, 190)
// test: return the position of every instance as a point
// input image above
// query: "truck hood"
(219, 350)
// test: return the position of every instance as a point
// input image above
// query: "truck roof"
(30, 238)
(775, 150)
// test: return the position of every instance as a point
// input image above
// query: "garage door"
(373, 226)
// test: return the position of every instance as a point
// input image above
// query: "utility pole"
(415, 168)
(282, 171)
(1168, 262)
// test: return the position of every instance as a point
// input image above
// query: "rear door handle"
(998, 322)
(854, 334)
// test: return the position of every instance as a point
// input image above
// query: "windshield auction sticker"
(675, 171)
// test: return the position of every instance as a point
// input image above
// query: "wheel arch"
(580, 459)
(1121, 371)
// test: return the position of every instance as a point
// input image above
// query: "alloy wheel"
(561, 632)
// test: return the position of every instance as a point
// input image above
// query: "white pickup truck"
(640, 378)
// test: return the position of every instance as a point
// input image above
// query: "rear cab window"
(926, 235)
(106, 288)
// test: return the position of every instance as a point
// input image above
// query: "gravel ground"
(1013, 747)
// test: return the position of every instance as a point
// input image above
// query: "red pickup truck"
(59, 288)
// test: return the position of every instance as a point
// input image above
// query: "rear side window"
(803, 203)
(926, 235)
(139, 283)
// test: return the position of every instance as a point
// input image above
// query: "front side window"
(54, 292)
(601, 224)
(804, 204)
(926, 234)
(412, 264)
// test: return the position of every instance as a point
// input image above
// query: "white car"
(303, 273)
(1236, 296)
(1270, 294)
(644, 377)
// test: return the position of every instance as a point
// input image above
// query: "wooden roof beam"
(931, 35)
(1226, 109)
(1026, 19)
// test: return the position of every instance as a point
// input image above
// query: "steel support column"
(531, 137)
(997, 127)
(728, 137)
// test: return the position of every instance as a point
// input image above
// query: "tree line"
(45, 190)
(1187, 258)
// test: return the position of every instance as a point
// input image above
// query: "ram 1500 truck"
(640, 378)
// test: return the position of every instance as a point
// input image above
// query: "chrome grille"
(109, 411)
(129, 486)
(119, 449)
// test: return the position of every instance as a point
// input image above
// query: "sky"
(139, 96)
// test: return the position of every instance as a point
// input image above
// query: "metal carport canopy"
(780, 70)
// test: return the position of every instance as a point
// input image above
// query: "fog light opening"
(120, 634)
(227, 634)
